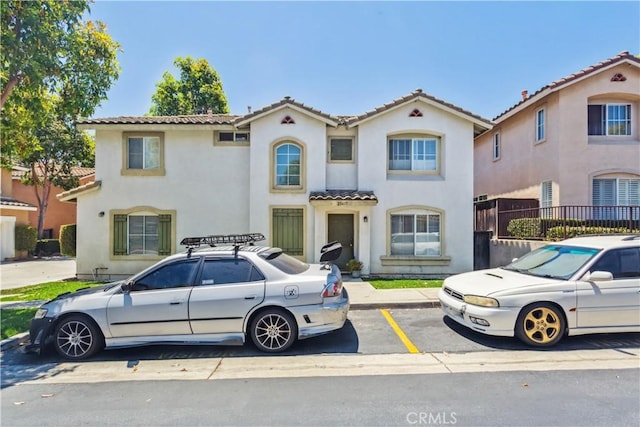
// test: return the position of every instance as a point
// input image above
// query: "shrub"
(525, 228)
(354, 265)
(47, 247)
(26, 237)
(559, 233)
(68, 240)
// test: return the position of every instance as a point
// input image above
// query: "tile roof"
(200, 119)
(228, 119)
(343, 195)
(418, 93)
(68, 195)
(621, 57)
(80, 172)
(287, 100)
(11, 202)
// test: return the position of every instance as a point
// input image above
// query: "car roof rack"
(227, 239)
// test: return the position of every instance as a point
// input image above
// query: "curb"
(14, 341)
(396, 305)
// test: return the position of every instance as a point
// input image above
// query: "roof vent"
(618, 77)
(249, 109)
(524, 94)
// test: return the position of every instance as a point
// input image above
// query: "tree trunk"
(6, 91)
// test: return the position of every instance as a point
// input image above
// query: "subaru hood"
(496, 280)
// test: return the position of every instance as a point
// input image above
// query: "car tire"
(540, 325)
(77, 337)
(273, 330)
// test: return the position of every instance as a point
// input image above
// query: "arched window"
(288, 165)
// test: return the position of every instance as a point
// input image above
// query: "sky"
(347, 58)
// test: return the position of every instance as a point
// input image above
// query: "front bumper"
(501, 320)
(39, 330)
(319, 319)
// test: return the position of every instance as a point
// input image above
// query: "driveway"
(31, 272)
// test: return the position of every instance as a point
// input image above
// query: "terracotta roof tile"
(418, 93)
(65, 195)
(201, 119)
(342, 195)
(290, 101)
(622, 56)
(11, 202)
(79, 172)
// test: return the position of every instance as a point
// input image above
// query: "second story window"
(414, 154)
(609, 119)
(540, 125)
(288, 166)
(496, 146)
(341, 150)
(143, 153)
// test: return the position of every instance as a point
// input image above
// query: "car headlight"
(481, 301)
(42, 312)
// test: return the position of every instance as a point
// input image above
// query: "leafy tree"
(35, 41)
(54, 69)
(198, 90)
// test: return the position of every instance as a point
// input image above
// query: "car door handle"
(175, 302)
(250, 297)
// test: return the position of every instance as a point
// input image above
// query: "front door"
(340, 228)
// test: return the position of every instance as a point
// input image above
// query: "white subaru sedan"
(582, 285)
(222, 294)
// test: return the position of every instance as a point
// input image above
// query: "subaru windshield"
(553, 261)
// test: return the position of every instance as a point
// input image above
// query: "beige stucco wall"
(567, 157)
(206, 184)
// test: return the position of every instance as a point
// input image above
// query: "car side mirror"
(126, 286)
(599, 276)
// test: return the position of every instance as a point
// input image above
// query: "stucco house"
(58, 213)
(13, 211)
(574, 142)
(394, 185)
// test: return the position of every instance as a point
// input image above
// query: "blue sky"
(350, 57)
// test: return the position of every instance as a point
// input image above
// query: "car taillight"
(333, 287)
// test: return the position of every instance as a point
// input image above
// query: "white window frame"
(422, 156)
(541, 119)
(608, 121)
(546, 199)
(496, 146)
(149, 167)
(425, 218)
(144, 235)
(614, 192)
(300, 149)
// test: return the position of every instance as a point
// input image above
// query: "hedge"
(26, 237)
(47, 247)
(68, 240)
(559, 233)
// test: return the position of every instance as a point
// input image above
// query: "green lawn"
(15, 320)
(43, 291)
(405, 283)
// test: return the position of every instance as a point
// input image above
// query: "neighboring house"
(574, 142)
(12, 212)
(394, 185)
(58, 213)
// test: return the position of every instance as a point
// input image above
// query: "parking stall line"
(403, 337)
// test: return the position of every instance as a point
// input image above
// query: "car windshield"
(554, 261)
(287, 263)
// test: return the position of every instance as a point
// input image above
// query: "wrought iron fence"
(560, 222)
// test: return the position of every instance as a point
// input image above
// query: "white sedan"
(578, 286)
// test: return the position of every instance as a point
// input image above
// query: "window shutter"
(120, 235)
(164, 234)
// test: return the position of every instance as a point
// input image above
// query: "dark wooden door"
(340, 228)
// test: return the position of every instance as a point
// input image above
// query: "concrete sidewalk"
(16, 274)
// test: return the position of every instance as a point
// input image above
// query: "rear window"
(284, 262)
